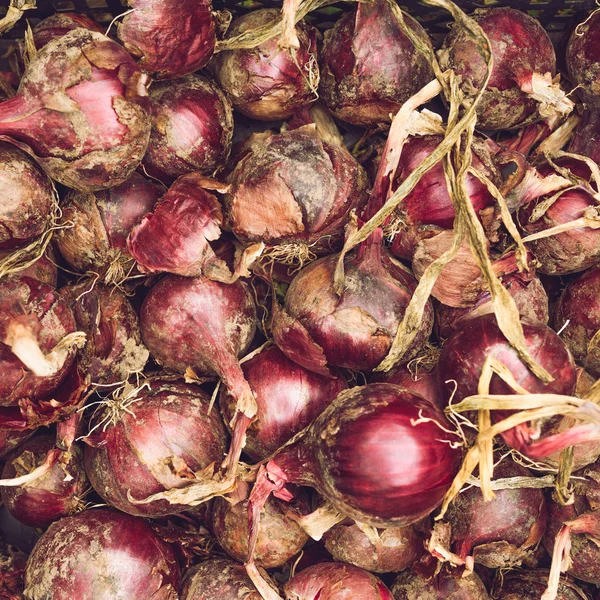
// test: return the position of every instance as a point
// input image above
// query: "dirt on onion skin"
(583, 59)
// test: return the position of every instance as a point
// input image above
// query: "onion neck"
(295, 462)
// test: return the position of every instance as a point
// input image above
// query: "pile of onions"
(192, 127)
(369, 66)
(269, 82)
(149, 440)
(583, 59)
(217, 578)
(172, 38)
(81, 111)
(101, 553)
(530, 585)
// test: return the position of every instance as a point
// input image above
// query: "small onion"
(583, 59)
(218, 578)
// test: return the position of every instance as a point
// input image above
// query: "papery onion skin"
(192, 129)
(583, 59)
(87, 556)
(59, 24)
(369, 67)
(154, 445)
(171, 37)
(520, 48)
(10, 439)
(266, 82)
(43, 269)
(530, 585)
(586, 137)
(56, 495)
(335, 581)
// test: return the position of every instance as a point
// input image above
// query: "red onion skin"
(192, 129)
(10, 439)
(583, 59)
(520, 48)
(266, 83)
(289, 398)
(81, 111)
(369, 67)
(155, 445)
(218, 578)
(530, 585)
(60, 24)
(44, 269)
(36, 305)
(586, 137)
(55, 495)
(335, 581)
(172, 38)
(89, 557)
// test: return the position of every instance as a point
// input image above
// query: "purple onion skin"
(192, 129)
(583, 59)
(101, 554)
(530, 585)
(11, 439)
(155, 445)
(27, 198)
(38, 306)
(335, 581)
(114, 347)
(60, 24)
(217, 578)
(502, 532)
(81, 111)
(44, 269)
(266, 83)
(289, 398)
(172, 38)
(369, 67)
(54, 496)
(520, 47)
(586, 137)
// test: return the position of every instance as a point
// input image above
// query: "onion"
(289, 397)
(100, 555)
(521, 89)
(218, 578)
(530, 585)
(151, 439)
(43, 269)
(192, 128)
(267, 82)
(369, 67)
(49, 497)
(586, 137)
(60, 24)
(12, 569)
(10, 439)
(172, 38)
(335, 581)
(583, 59)
(81, 111)
(97, 226)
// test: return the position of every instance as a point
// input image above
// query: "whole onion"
(97, 226)
(81, 111)
(27, 198)
(530, 585)
(369, 67)
(151, 439)
(218, 578)
(266, 82)
(56, 494)
(172, 38)
(335, 581)
(101, 554)
(583, 59)
(192, 128)
(586, 137)
(289, 397)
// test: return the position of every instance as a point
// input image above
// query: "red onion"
(218, 578)
(60, 24)
(335, 581)
(43, 269)
(192, 127)
(586, 137)
(268, 82)
(530, 585)
(100, 555)
(369, 67)
(151, 439)
(583, 59)
(97, 226)
(55, 494)
(81, 111)
(10, 439)
(289, 397)
(12, 569)
(520, 89)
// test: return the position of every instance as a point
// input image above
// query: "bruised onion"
(369, 66)
(530, 585)
(583, 59)
(218, 578)
(192, 128)
(101, 554)
(151, 439)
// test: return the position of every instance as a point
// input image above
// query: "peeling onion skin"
(583, 59)
(172, 38)
(11, 439)
(520, 47)
(531, 584)
(369, 67)
(335, 581)
(192, 129)
(44, 269)
(55, 495)
(60, 24)
(81, 111)
(89, 557)
(289, 398)
(265, 83)
(218, 578)
(155, 445)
